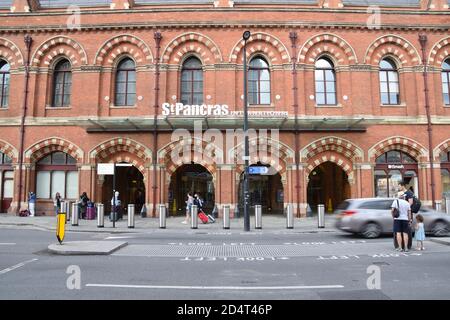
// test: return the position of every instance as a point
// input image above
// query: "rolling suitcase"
(90, 213)
(203, 217)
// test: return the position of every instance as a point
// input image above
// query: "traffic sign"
(61, 226)
(258, 170)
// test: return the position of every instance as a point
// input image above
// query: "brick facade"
(212, 32)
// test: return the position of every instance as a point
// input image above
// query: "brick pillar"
(24, 5)
(303, 189)
(438, 183)
(224, 188)
(367, 181)
(424, 182)
(223, 3)
(122, 4)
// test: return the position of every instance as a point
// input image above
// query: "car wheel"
(371, 230)
(440, 229)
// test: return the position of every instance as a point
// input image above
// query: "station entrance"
(193, 178)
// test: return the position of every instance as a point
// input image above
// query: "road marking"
(7, 244)
(16, 266)
(212, 288)
(122, 237)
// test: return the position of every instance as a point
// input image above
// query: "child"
(420, 232)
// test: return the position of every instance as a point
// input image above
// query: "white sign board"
(105, 168)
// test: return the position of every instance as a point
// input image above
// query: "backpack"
(415, 207)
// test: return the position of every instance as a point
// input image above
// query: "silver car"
(372, 217)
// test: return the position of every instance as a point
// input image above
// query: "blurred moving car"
(372, 217)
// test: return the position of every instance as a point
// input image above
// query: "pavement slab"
(86, 247)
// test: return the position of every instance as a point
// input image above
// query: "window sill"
(401, 105)
(328, 105)
(58, 108)
(261, 105)
(123, 107)
(7, 108)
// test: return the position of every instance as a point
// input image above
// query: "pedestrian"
(139, 201)
(32, 203)
(408, 194)
(57, 203)
(420, 232)
(401, 212)
(189, 204)
(116, 201)
(82, 205)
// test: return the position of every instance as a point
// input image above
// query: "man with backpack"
(410, 197)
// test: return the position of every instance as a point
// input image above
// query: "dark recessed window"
(62, 80)
(4, 83)
(192, 82)
(389, 85)
(325, 81)
(126, 83)
(259, 81)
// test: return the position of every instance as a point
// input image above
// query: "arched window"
(259, 81)
(126, 83)
(62, 80)
(57, 172)
(325, 79)
(391, 168)
(192, 82)
(389, 88)
(4, 83)
(446, 81)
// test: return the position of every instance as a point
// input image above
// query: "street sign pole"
(246, 36)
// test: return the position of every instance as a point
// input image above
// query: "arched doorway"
(6, 182)
(328, 185)
(265, 190)
(131, 187)
(193, 178)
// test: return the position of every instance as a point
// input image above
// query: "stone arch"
(49, 145)
(122, 44)
(412, 147)
(113, 149)
(57, 46)
(9, 150)
(443, 147)
(330, 44)
(265, 43)
(189, 42)
(339, 145)
(439, 52)
(199, 153)
(11, 53)
(331, 156)
(269, 146)
(392, 45)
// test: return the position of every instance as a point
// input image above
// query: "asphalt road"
(185, 265)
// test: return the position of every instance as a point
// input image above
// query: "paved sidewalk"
(269, 224)
(86, 247)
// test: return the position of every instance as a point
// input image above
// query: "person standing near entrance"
(83, 206)
(189, 203)
(57, 203)
(32, 203)
(401, 221)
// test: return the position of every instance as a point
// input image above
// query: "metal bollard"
(258, 216)
(194, 217)
(321, 216)
(290, 216)
(131, 216)
(162, 216)
(100, 215)
(438, 206)
(447, 205)
(74, 214)
(226, 217)
(64, 210)
(68, 210)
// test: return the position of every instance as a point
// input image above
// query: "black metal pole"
(246, 150)
(114, 197)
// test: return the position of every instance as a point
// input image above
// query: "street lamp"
(246, 36)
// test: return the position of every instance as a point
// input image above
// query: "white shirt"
(404, 208)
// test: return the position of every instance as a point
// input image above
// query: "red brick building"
(343, 83)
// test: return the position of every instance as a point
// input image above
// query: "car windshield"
(376, 205)
(343, 206)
